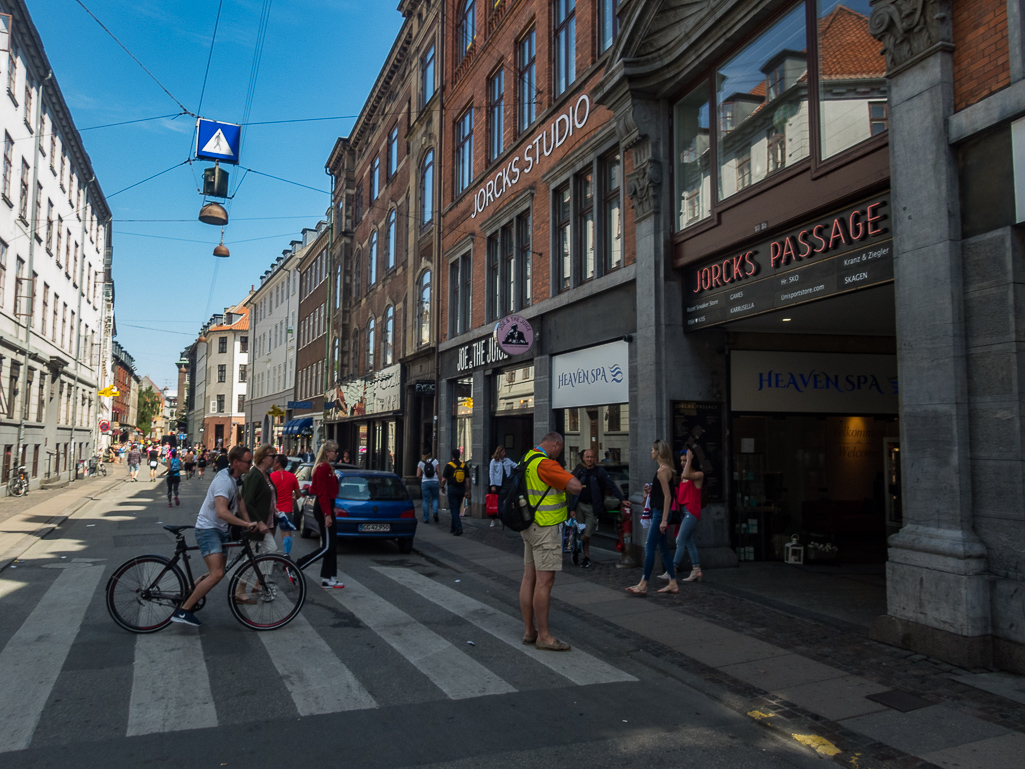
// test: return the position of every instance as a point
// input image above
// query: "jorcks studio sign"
(541, 146)
(844, 251)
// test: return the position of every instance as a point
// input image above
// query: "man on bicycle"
(223, 505)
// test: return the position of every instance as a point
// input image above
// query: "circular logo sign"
(514, 334)
(104, 426)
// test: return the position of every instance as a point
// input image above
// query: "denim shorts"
(284, 523)
(210, 541)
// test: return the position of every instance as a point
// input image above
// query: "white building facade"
(55, 301)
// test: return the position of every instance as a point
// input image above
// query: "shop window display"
(462, 413)
(606, 429)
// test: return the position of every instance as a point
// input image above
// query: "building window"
(496, 115)
(612, 211)
(241, 402)
(220, 404)
(49, 226)
(427, 75)
(744, 170)
(527, 77)
(565, 45)
(243, 344)
(375, 178)
(371, 363)
(427, 189)
(423, 310)
(772, 68)
(357, 273)
(506, 272)
(585, 225)
(389, 335)
(242, 372)
(692, 136)
(464, 151)
(467, 29)
(563, 240)
(8, 165)
(392, 239)
(608, 24)
(879, 117)
(222, 344)
(460, 281)
(12, 77)
(46, 303)
(222, 372)
(338, 286)
(3, 270)
(372, 263)
(525, 260)
(23, 202)
(393, 151)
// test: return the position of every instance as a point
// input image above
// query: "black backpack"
(514, 509)
(429, 468)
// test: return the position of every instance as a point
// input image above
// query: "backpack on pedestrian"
(514, 508)
(458, 473)
(429, 468)
(176, 466)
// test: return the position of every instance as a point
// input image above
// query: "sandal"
(637, 591)
(670, 590)
(555, 646)
(528, 641)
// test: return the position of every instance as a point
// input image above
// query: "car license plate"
(375, 527)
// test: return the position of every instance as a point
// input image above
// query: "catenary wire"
(209, 58)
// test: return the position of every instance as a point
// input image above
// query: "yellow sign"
(109, 392)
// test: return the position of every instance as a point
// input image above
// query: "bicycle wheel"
(272, 604)
(16, 486)
(144, 592)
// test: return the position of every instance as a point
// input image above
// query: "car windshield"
(302, 473)
(371, 488)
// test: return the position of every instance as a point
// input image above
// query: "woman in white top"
(430, 489)
(500, 467)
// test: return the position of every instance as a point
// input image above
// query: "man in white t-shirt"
(223, 505)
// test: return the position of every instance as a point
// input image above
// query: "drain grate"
(898, 700)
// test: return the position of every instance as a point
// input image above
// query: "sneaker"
(664, 576)
(331, 583)
(587, 563)
(436, 519)
(176, 502)
(492, 525)
(168, 504)
(186, 618)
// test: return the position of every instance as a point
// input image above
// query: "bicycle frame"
(181, 553)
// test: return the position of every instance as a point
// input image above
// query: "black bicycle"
(266, 592)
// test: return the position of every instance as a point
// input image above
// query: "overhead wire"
(210, 56)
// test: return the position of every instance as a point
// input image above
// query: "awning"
(296, 426)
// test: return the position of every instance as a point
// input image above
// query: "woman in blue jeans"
(661, 500)
(689, 496)
(427, 472)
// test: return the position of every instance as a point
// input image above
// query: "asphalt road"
(415, 663)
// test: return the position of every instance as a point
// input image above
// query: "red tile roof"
(848, 51)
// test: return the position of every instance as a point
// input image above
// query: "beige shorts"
(542, 547)
(586, 516)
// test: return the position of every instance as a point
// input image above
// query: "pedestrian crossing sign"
(217, 141)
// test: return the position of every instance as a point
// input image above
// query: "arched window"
(389, 336)
(423, 310)
(336, 359)
(372, 265)
(427, 189)
(357, 274)
(391, 239)
(370, 345)
(338, 287)
(354, 356)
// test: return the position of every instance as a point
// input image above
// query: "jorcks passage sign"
(596, 376)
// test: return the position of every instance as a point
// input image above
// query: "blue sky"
(319, 59)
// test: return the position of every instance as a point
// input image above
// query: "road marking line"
(314, 676)
(451, 669)
(578, 666)
(170, 684)
(33, 658)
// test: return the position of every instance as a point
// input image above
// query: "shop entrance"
(516, 433)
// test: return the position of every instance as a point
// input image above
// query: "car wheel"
(406, 545)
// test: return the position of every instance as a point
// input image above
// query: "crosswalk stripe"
(578, 666)
(314, 676)
(452, 670)
(33, 658)
(170, 684)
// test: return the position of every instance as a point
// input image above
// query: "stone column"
(937, 584)
(665, 363)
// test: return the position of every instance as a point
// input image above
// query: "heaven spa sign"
(542, 145)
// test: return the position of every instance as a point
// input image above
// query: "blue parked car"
(370, 503)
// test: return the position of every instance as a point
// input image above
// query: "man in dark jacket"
(585, 506)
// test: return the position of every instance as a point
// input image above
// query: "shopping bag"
(491, 504)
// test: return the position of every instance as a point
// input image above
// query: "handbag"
(675, 511)
(491, 504)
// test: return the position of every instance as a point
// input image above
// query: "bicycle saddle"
(176, 529)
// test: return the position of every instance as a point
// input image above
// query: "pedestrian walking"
(286, 487)
(174, 477)
(688, 495)
(427, 472)
(455, 481)
(324, 488)
(154, 460)
(499, 468)
(134, 460)
(547, 485)
(201, 461)
(586, 506)
(662, 490)
(259, 495)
